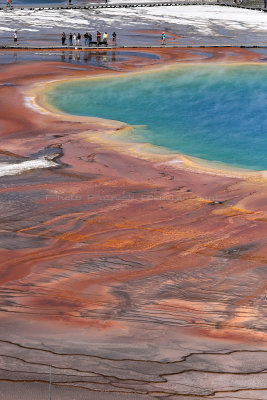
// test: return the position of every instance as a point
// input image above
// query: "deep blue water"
(213, 112)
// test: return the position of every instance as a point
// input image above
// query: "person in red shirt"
(98, 38)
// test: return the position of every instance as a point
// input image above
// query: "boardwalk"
(252, 5)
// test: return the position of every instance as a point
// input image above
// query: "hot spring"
(213, 112)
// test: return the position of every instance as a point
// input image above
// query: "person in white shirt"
(15, 36)
(74, 38)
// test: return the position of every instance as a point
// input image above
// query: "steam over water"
(213, 112)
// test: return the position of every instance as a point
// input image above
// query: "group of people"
(75, 39)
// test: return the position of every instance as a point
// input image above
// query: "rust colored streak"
(112, 242)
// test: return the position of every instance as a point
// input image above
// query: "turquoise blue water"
(217, 113)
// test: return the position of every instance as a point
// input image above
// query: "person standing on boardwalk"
(74, 39)
(98, 38)
(70, 39)
(78, 39)
(15, 35)
(85, 39)
(163, 37)
(114, 37)
(265, 3)
(105, 38)
(89, 39)
(63, 38)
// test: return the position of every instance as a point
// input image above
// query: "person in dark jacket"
(63, 38)
(70, 39)
(85, 39)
